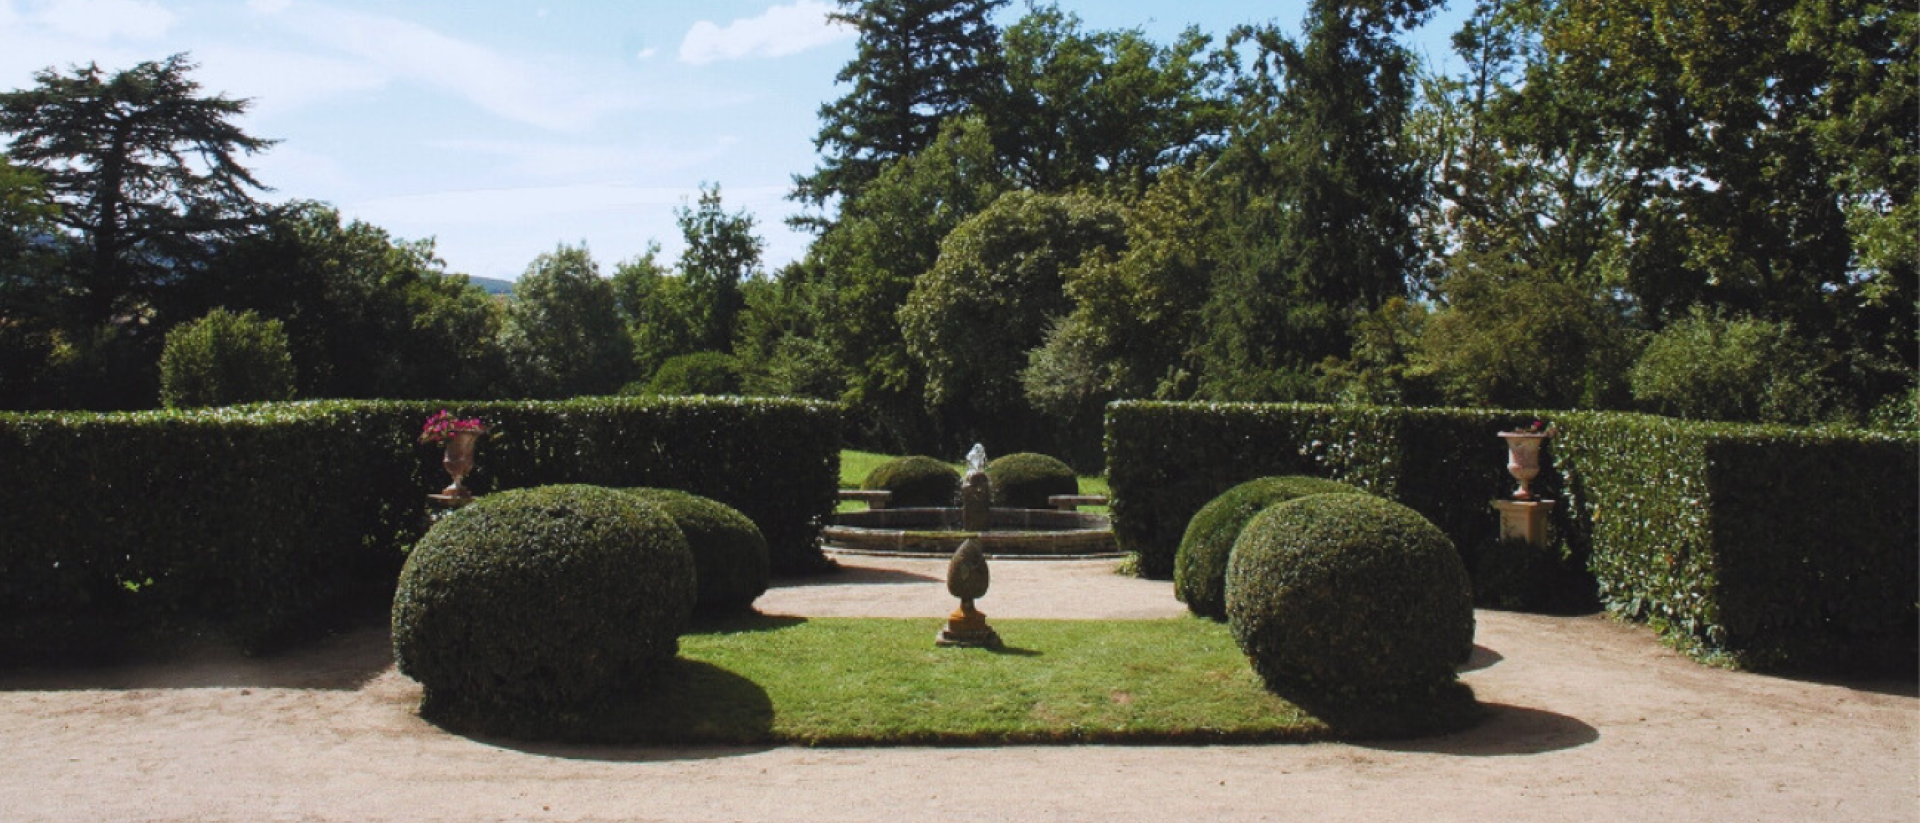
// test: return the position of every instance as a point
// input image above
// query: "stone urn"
(458, 461)
(1523, 458)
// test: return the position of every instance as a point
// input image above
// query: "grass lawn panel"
(861, 682)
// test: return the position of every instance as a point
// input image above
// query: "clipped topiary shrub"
(531, 603)
(1200, 566)
(729, 555)
(1351, 602)
(223, 359)
(916, 481)
(1025, 480)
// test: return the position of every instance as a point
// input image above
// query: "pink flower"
(443, 426)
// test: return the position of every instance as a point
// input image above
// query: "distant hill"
(491, 285)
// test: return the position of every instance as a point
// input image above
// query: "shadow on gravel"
(856, 576)
(1507, 731)
(345, 660)
(1482, 658)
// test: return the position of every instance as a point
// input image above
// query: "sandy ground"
(1592, 721)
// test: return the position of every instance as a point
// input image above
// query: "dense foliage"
(1702, 529)
(225, 359)
(1350, 600)
(538, 601)
(916, 481)
(1200, 564)
(729, 555)
(258, 519)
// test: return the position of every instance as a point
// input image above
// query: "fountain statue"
(976, 493)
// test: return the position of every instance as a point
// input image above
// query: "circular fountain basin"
(1035, 533)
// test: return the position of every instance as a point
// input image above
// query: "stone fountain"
(1001, 532)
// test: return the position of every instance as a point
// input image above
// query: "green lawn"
(844, 681)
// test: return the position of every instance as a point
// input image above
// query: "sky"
(502, 130)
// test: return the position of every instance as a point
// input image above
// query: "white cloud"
(102, 20)
(647, 53)
(782, 31)
(547, 96)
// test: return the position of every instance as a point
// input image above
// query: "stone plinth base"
(1524, 520)
(967, 627)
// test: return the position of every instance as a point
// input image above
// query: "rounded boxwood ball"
(729, 553)
(1200, 565)
(916, 482)
(1349, 599)
(1025, 480)
(536, 598)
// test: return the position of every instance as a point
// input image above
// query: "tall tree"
(1327, 190)
(722, 253)
(919, 62)
(563, 332)
(145, 169)
(886, 238)
(1089, 105)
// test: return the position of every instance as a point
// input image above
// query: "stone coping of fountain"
(1035, 533)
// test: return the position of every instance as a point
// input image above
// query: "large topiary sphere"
(1025, 480)
(1200, 566)
(537, 599)
(916, 482)
(1350, 599)
(729, 553)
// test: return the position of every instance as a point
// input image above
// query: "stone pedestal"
(967, 626)
(1524, 520)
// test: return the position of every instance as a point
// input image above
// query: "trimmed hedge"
(1024, 480)
(257, 518)
(1725, 537)
(917, 481)
(533, 602)
(1350, 600)
(729, 555)
(1200, 564)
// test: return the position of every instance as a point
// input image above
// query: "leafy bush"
(1025, 480)
(729, 555)
(1710, 367)
(258, 519)
(224, 359)
(706, 372)
(1713, 533)
(1349, 600)
(916, 481)
(539, 600)
(1200, 566)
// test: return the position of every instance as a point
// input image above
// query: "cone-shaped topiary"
(1200, 566)
(1350, 600)
(729, 553)
(1025, 480)
(530, 602)
(916, 482)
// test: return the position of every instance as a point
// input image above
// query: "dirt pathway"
(1593, 721)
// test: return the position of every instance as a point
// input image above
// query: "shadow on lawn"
(692, 710)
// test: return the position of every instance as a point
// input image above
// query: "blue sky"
(503, 129)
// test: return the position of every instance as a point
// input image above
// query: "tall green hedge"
(256, 517)
(1733, 540)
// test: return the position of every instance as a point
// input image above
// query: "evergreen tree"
(1327, 190)
(919, 63)
(145, 170)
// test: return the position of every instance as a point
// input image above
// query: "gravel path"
(1592, 721)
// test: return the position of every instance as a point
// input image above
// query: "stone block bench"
(1073, 502)
(875, 498)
